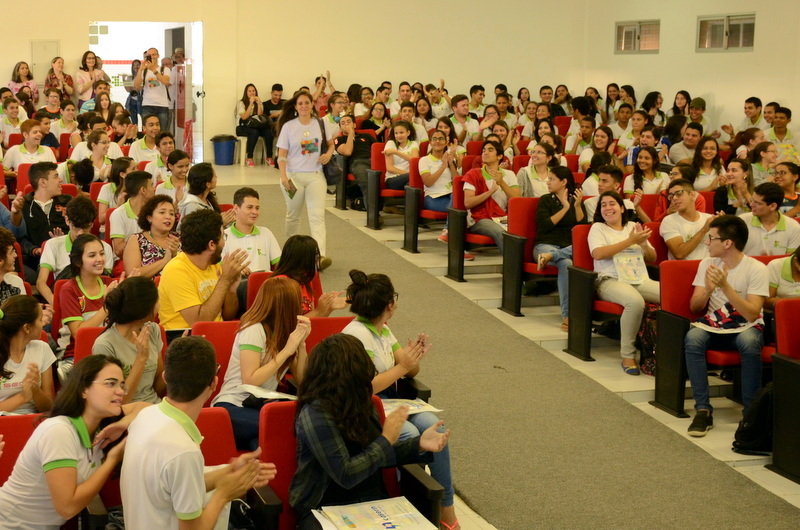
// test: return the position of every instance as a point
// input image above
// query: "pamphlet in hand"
(259, 392)
(415, 406)
(387, 513)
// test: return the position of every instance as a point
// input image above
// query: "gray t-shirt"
(113, 344)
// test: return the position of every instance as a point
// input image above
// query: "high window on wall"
(726, 33)
(637, 37)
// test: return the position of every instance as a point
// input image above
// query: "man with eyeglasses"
(30, 151)
(357, 148)
(685, 230)
(684, 151)
(770, 232)
(730, 288)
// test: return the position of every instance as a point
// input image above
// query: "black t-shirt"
(270, 107)
(362, 145)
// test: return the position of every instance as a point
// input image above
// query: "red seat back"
(56, 322)
(649, 203)
(520, 161)
(15, 430)
(423, 148)
(579, 178)
(522, 221)
(63, 146)
(467, 162)
(572, 162)
(84, 341)
(414, 178)
(657, 242)
(370, 132)
(788, 339)
(709, 198)
(458, 193)
(218, 445)
(142, 165)
(474, 147)
(225, 207)
(22, 176)
(14, 139)
(676, 277)
(20, 263)
(255, 280)
(4, 200)
(378, 161)
(126, 149)
(221, 335)
(581, 257)
(562, 124)
(522, 145)
(94, 190)
(322, 327)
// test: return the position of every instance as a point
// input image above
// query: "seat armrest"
(422, 491)
(410, 388)
(265, 507)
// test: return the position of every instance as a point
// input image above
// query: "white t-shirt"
(162, 472)
(303, 143)
(499, 196)
(55, 256)
(582, 146)
(590, 205)
(158, 169)
(748, 277)
(782, 239)
(380, 346)
(590, 186)
(59, 442)
(36, 352)
(398, 161)
(261, 246)
(420, 132)
(168, 188)
(441, 109)
(444, 184)
(154, 92)
(781, 278)
(649, 187)
(704, 180)
(82, 151)
(472, 128)
(252, 338)
(124, 222)
(602, 235)
(108, 195)
(138, 151)
(538, 186)
(17, 155)
(585, 159)
(675, 225)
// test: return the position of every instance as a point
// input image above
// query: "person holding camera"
(153, 83)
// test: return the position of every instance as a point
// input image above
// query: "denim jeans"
(438, 204)
(487, 227)
(161, 112)
(440, 467)
(562, 259)
(245, 425)
(252, 139)
(359, 168)
(748, 342)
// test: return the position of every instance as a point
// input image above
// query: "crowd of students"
(177, 258)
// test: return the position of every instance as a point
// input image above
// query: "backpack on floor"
(648, 334)
(754, 435)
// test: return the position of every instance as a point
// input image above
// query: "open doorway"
(118, 44)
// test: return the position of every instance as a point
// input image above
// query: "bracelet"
(281, 159)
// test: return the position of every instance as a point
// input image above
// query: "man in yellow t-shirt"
(195, 286)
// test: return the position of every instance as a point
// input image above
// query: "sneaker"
(702, 422)
(324, 263)
(249, 162)
(394, 210)
(269, 162)
(468, 256)
(443, 236)
(358, 205)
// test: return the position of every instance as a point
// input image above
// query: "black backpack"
(754, 435)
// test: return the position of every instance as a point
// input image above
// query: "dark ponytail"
(133, 300)
(369, 295)
(16, 312)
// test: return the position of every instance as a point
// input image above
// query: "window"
(638, 37)
(734, 33)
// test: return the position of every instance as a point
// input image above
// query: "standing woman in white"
(300, 159)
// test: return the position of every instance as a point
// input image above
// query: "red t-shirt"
(77, 306)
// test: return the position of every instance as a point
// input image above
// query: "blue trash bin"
(224, 148)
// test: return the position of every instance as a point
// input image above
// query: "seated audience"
(622, 127)
(378, 120)
(780, 135)
(150, 249)
(784, 279)
(174, 185)
(437, 170)
(112, 194)
(730, 288)
(646, 178)
(541, 163)
(200, 194)
(609, 178)
(398, 152)
(787, 176)
(745, 141)
(664, 205)
(252, 123)
(48, 138)
(271, 341)
(467, 127)
(753, 117)
(735, 196)
(133, 338)
(764, 158)
(684, 150)
(357, 147)
(43, 212)
(374, 301)
(620, 249)
(582, 139)
(65, 462)
(25, 360)
(144, 150)
(770, 232)
(647, 138)
(12, 122)
(66, 124)
(124, 221)
(165, 144)
(52, 103)
(98, 145)
(684, 229)
(263, 250)
(92, 123)
(708, 165)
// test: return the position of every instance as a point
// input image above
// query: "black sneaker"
(703, 421)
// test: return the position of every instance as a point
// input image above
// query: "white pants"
(311, 191)
(632, 299)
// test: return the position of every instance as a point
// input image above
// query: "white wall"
(520, 43)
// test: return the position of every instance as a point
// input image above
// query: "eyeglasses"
(104, 142)
(677, 193)
(218, 367)
(782, 172)
(113, 384)
(396, 296)
(438, 139)
(717, 238)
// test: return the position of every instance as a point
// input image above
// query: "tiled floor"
(541, 324)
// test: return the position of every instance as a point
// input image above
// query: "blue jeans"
(398, 182)
(161, 112)
(440, 467)
(562, 259)
(487, 227)
(245, 425)
(252, 139)
(438, 204)
(748, 342)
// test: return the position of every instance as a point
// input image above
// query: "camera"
(148, 58)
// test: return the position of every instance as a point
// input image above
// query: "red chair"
(474, 147)
(674, 321)
(572, 162)
(457, 234)
(84, 341)
(649, 204)
(709, 198)
(29, 292)
(520, 161)
(66, 189)
(142, 165)
(370, 132)
(415, 209)
(94, 191)
(376, 186)
(63, 147)
(657, 242)
(14, 139)
(56, 322)
(255, 280)
(518, 263)
(22, 177)
(788, 340)
(218, 445)
(4, 200)
(579, 178)
(107, 235)
(423, 148)
(522, 145)
(322, 327)
(562, 124)
(584, 306)
(278, 444)
(15, 430)
(20, 263)
(69, 153)
(225, 207)
(221, 335)
(55, 152)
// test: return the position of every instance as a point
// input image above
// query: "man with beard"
(195, 286)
